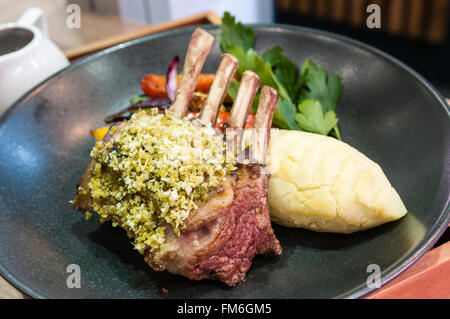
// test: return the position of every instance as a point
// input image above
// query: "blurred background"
(415, 31)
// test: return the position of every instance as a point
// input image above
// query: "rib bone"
(199, 48)
(263, 121)
(219, 88)
(244, 98)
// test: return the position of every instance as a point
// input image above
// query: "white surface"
(156, 11)
(247, 11)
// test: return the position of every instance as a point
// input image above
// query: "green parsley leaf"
(284, 115)
(313, 119)
(318, 86)
(232, 90)
(272, 55)
(285, 71)
(235, 34)
(251, 61)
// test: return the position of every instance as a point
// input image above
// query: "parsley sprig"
(307, 97)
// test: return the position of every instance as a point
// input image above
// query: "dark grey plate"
(387, 111)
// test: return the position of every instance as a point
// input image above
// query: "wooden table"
(209, 17)
(429, 277)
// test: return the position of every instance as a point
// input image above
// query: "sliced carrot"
(250, 121)
(154, 85)
(223, 117)
(204, 82)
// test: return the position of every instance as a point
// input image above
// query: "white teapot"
(27, 56)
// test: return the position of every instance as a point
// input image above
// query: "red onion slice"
(171, 83)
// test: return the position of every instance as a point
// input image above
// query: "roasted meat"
(230, 224)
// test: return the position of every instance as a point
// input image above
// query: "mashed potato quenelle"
(323, 184)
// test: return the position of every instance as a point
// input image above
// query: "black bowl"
(387, 111)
